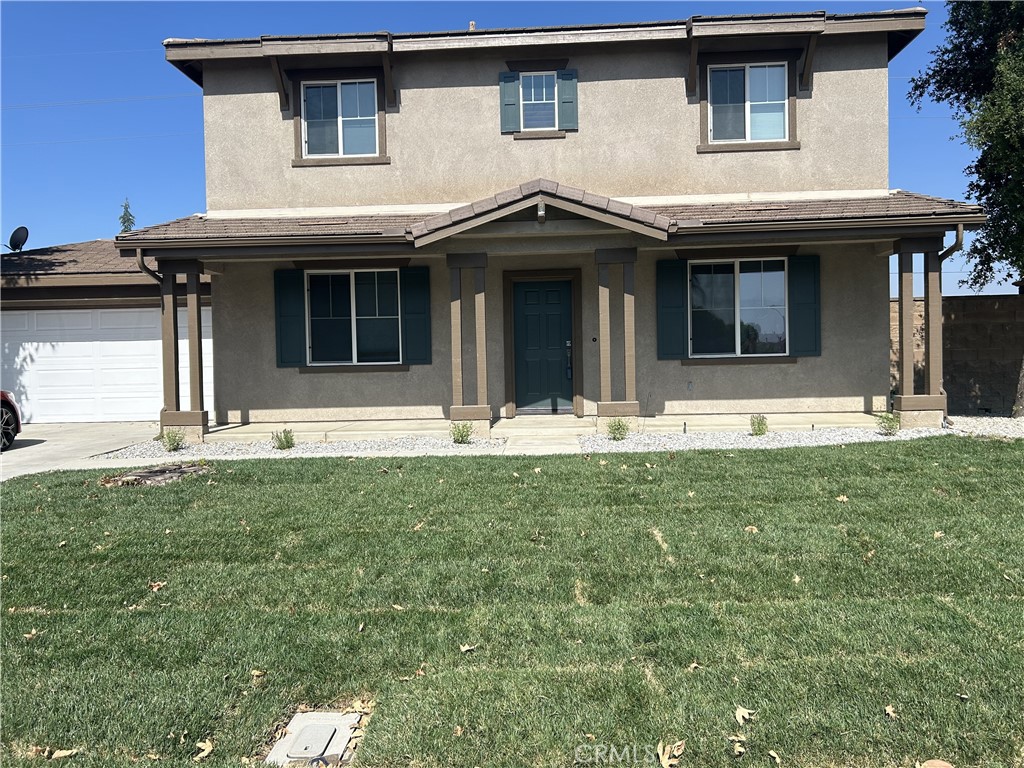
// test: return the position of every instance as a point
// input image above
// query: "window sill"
(386, 368)
(748, 146)
(780, 360)
(524, 135)
(314, 162)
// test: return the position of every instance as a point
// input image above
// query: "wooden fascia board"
(607, 218)
(527, 39)
(935, 223)
(909, 23)
(725, 29)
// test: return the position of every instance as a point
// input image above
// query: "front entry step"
(545, 425)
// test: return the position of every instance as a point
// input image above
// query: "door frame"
(575, 278)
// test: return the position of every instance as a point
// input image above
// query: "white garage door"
(93, 364)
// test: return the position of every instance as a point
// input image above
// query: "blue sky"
(92, 113)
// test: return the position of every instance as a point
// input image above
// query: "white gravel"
(637, 441)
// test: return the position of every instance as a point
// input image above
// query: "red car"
(10, 420)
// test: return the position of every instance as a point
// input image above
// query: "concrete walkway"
(44, 447)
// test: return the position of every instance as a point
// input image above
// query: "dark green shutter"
(508, 83)
(290, 314)
(804, 306)
(415, 315)
(568, 119)
(673, 334)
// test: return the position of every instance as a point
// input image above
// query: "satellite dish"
(18, 238)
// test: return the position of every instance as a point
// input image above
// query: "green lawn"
(589, 586)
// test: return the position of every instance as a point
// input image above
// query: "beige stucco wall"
(852, 374)
(638, 133)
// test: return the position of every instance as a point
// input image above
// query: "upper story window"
(748, 103)
(339, 119)
(536, 103)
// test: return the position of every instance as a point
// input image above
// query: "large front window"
(748, 103)
(353, 317)
(738, 308)
(340, 118)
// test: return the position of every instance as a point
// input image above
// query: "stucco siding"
(638, 134)
(851, 375)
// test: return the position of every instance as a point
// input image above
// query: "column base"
(920, 411)
(194, 424)
(479, 416)
(618, 408)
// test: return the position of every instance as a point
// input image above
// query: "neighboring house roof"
(94, 257)
(656, 220)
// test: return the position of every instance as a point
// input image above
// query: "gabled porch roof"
(665, 222)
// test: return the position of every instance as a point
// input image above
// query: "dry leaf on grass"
(693, 666)
(842, 498)
(669, 754)
(419, 525)
(536, 470)
(890, 712)
(796, 579)
(775, 757)
(691, 494)
(751, 529)
(963, 696)
(205, 748)
(397, 607)
(457, 731)
(257, 674)
(156, 586)
(742, 714)
(466, 648)
(938, 535)
(738, 741)
(62, 544)
(60, 754)
(515, 474)
(31, 635)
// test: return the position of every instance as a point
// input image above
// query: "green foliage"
(283, 440)
(173, 439)
(758, 425)
(278, 566)
(888, 423)
(461, 432)
(979, 72)
(618, 429)
(127, 219)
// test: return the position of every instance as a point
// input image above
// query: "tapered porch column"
(195, 420)
(927, 409)
(480, 411)
(626, 404)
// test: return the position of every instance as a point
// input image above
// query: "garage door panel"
(93, 365)
(65, 320)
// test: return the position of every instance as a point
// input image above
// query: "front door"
(542, 336)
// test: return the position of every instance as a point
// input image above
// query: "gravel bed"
(411, 445)
(635, 442)
(643, 442)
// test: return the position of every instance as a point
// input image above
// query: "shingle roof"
(897, 205)
(94, 257)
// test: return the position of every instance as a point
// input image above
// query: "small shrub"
(173, 439)
(283, 440)
(461, 431)
(888, 423)
(618, 429)
(758, 425)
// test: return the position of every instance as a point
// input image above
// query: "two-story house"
(685, 217)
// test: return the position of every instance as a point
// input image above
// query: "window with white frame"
(748, 103)
(539, 109)
(339, 118)
(353, 317)
(738, 308)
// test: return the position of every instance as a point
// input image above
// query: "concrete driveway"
(42, 447)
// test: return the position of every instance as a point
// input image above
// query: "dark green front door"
(542, 334)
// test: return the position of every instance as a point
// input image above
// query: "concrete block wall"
(982, 347)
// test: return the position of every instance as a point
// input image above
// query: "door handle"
(568, 360)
